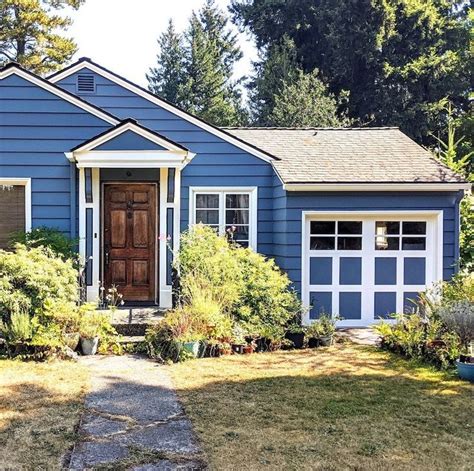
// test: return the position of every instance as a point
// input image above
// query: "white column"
(82, 215)
(93, 291)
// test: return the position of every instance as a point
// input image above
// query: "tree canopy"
(30, 34)
(396, 58)
(195, 70)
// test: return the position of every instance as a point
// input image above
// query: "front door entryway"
(129, 239)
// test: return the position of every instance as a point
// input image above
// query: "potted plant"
(89, 333)
(190, 343)
(459, 318)
(295, 334)
(239, 341)
(321, 331)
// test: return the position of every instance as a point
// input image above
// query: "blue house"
(360, 219)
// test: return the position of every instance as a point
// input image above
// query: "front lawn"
(343, 407)
(40, 406)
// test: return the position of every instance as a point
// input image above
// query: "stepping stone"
(166, 465)
(97, 426)
(88, 454)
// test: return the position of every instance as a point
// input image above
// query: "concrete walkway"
(133, 419)
(361, 336)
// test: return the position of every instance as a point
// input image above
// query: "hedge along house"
(360, 219)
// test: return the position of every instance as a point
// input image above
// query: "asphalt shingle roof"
(351, 155)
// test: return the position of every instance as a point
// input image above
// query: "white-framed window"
(231, 210)
(404, 235)
(15, 207)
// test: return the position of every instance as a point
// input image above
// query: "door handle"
(106, 258)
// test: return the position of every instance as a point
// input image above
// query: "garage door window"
(404, 235)
(327, 235)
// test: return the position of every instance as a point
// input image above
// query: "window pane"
(349, 243)
(387, 227)
(238, 232)
(237, 216)
(387, 243)
(414, 228)
(237, 201)
(413, 243)
(323, 227)
(207, 201)
(12, 212)
(207, 216)
(322, 243)
(349, 227)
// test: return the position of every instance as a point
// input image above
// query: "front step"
(133, 321)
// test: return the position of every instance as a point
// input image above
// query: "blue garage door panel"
(320, 271)
(321, 302)
(414, 271)
(350, 271)
(350, 305)
(385, 271)
(385, 304)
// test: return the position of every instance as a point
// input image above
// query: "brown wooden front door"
(129, 239)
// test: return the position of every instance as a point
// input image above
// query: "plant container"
(192, 348)
(313, 342)
(325, 341)
(465, 371)
(297, 338)
(72, 340)
(247, 349)
(89, 346)
(238, 348)
(263, 344)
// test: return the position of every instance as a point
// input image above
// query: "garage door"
(363, 267)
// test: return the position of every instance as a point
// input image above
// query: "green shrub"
(53, 239)
(32, 277)
(323, 327)
(458, 317)
(266, 297)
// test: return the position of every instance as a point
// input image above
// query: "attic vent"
(85, 83)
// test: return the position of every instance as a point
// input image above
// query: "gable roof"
(13, 68)
(86, 62)
(130, 125)
(348, 156)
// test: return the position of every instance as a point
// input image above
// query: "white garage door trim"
(433, 255)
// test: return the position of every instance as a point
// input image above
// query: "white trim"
(26, 182)
(433, 256)
(165, 290)
(163, 104)
(58, 92)
(376, 186)
(222, 190)
(130, 159)
(135, 129)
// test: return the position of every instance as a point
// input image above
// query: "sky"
(121, 34)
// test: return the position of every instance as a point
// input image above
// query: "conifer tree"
(30, 34)
(167, 78)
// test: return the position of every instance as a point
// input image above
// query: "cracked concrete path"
(133, 419)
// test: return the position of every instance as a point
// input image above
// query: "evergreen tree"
(168, 77)
(397, 58)
(196, 73)
(29, 34)
(306, 102)
(277, 66)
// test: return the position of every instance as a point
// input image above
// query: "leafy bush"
(32, 277)
(441, 327)
(458, 317)
(323, 327)
(53, 239)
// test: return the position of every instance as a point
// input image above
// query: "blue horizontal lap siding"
(36, 128)
(217, 162)
(128, 140)
(288, 243)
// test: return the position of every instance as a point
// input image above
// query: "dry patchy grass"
(343, 407)
(40, 405)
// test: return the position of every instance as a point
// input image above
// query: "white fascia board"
(129, 159)
(376, 186)
(163, 104)
(54, 90)
(137, 130)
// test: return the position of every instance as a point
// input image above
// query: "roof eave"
(379, 186)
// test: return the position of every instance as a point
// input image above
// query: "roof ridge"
(283, 128)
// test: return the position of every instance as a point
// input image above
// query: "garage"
(363, 267)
